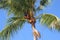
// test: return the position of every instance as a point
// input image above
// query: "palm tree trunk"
(33, 27)
(36, 34)
(32, 21)
(35, 38)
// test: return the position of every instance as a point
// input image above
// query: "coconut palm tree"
(25, 11)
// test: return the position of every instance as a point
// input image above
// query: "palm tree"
(24, 11)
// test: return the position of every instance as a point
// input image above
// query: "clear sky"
(26, 32)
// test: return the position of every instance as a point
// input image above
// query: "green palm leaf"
(50, 20)
(17, 7)
(16, 23)
(57, 25)
(43, 3)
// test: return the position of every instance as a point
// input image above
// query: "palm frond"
(4, 3)
(11, 28)
(17, 7)
(15, 18)
(43, 3)
(57, 25)
(50, 20)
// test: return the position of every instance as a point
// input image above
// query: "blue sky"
(26, 32)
